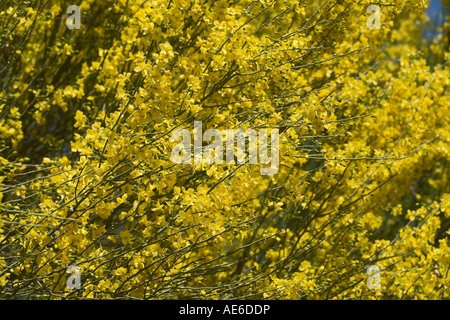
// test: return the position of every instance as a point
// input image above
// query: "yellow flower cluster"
(86, 177)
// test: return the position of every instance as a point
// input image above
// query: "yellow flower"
(125, 235)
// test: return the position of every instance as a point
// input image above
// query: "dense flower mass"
(86, 176)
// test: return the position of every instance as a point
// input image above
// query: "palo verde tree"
(361, 101)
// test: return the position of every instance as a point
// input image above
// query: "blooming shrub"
(86, 178)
